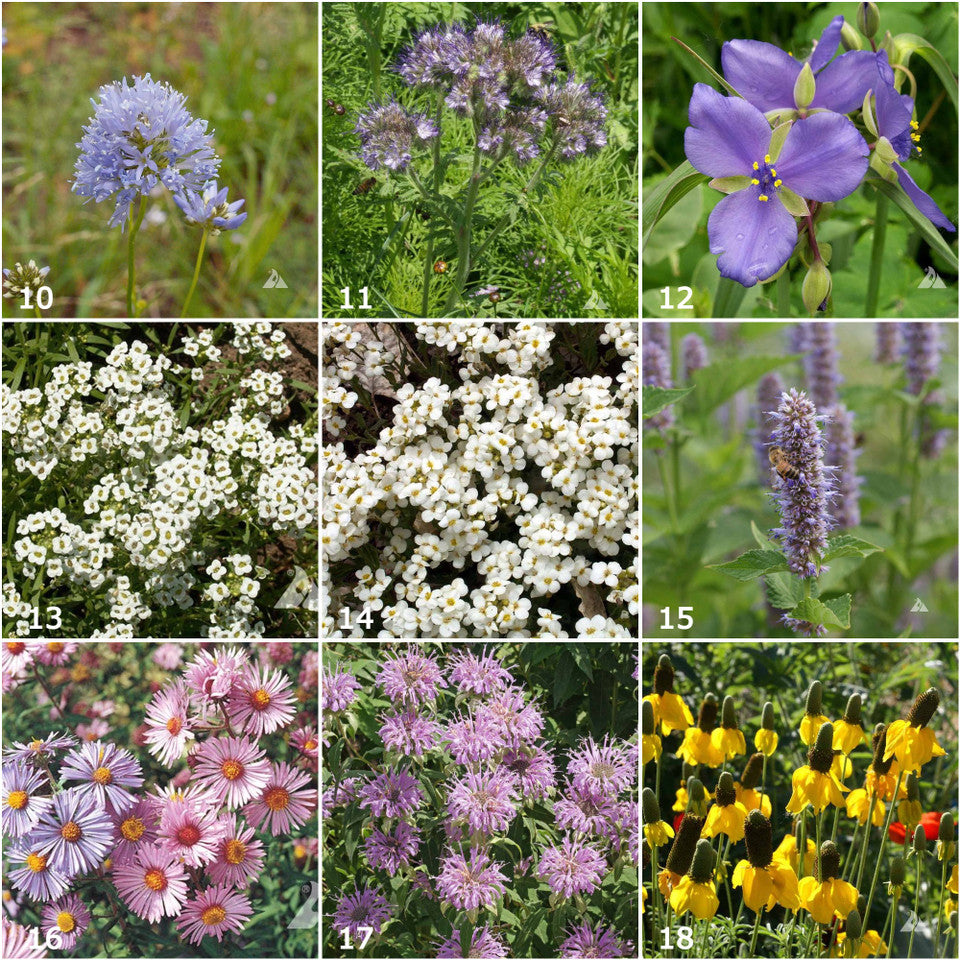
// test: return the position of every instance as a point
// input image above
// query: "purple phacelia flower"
(823, 158)
(578, 117)
(693, 352)
(656, 373)
(141, 135)
(842, 456)
(768, 398)
(802, 501)
(388, 134)
(821, 364)
(921, 353)
(888, 342)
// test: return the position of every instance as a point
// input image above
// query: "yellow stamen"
(766, 158)
(755, 181)
(756, 166)
(763, 197)
(777, 183)
(914, 124)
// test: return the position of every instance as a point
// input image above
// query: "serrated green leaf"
(752, 564)
(831, 613)
(847, 546)
(656, 398)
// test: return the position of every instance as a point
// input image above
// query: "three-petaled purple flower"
(823, 158)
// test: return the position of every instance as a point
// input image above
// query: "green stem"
(866, 841)
(131, 240)
(802, 845)
(876, 256)
(783, 294)
(196, 271)
(464, 228)
(943, 883)
(756, 931)
(883, 841)
(916, 906)
(428, 264)
(894, 900)
(669, 493)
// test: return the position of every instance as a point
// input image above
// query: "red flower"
(931, 827)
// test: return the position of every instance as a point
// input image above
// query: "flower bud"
(649, 727)
(919, 840)
(817, 285)
(805, 88)
(704, 859)
(947, 828)
(725, 794)
(867, 113)
(898, 871)
(728, 716)
(868, 19)
(651, 807)
(913, 787)
(697, 801)
(766, 721)
(663, 676)
(684, 844)
(752, 772)
(820, 757)
(815, 699)
(854, 925)
(850, 38)
(852, 713)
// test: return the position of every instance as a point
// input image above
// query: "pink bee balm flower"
(213, 912)
(261, 701)
(282, 804)
(234, 769)
(154, 885)
(469, 884)
(239, 857)
(169, 724)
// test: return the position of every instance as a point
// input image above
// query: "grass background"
(248, 69)
(587, 220)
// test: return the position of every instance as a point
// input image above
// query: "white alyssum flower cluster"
(482, 502)
(140, 538)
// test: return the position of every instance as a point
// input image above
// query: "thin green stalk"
(464, 228)
(894, 902)
(670, 494)
(916, 906)
(866, 841)
(756, 931)
(876, 255)
(943, 884)
(883, 841)
(656, 890)
(196, 271)
(131, 240)
(802, 845)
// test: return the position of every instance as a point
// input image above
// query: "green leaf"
(666, 193)
(582, 657)
(675, 228)
(717, 383)
(752, 564)
(929, 232)
(706, 66)
(563, 682)
(656, 398)
(830, 613)
(847, 546)
(908, 43)
(784, 590)
(729, 296)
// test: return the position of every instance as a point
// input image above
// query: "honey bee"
(366, 186)
(784, 467)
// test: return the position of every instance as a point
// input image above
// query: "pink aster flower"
(16, 656)
(469, 884)
(212, 675)
(168, 656)
(234, 769)
(154, 885)
(38, 877)
(239, 857)
(134, 829)
(93, 731)
(169, 723)
(68, 917)
(213, 912)
(260, 701)
(486, 801)
(22, 943)
(279, 652)
(310, 672)
(54, 653)
(283, 803)
(39, 751)
(305, 739)
(22, 805)
(104, 771)
(572, 867)
(191, 832)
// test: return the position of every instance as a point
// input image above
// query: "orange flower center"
(235, 851)
(155, 880)
(71, 831)
(55, 647)
(16, 647)
(310, 745)
(36, 745)
(276, 798)
(174, 725)
(213, 915)
(37, 862)
(260, 699)
(66, 922)
(188, 835)
(102, 775)
(232, 769)
(132, 828)
(17, 799)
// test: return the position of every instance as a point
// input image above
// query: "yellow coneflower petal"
(766, 741)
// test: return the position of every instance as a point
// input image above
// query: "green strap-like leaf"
(911, 43)
(666, 193)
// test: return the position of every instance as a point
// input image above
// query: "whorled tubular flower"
(20, 278)
(578, 117)
(659, 333)
(802, 501)
(888, 342)
(768, 397)
(388, 134)
(141, 135)
(821, 364)
(693, 352)
(842, 455)
(210, 208)
(921, 353)
(656, 373)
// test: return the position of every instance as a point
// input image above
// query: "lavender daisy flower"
(74, 831)
(362, 908)
(483, 943)
(693, 352)
(135, 829)
(802, 501)
(105, 771)
(209, 208)
(486, 801)
(517, 722)
(473, 738)
(68, 917)
(391, 794)
(391, 851)
(478, 674)
(768, 397)
(191, 832)
(578, 117)
(38, 751)
(388, 134)
(410, 678)
(139, 137)
(587, 941)
(409, 733)
(821, 364)
(38, 877)
(572, 867)
(533, 770)
(921, 353)
(842, 454)
(601, 768)
(888, 342)
(22, 805)
(469, 884)
(338, 689)
(239, 856)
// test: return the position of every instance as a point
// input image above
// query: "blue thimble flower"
(141, 135)
(210, 208)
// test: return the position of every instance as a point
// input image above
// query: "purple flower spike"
(842, 453)
(823, 158)
(388, 135)
(765, 75)
(888, 342)
(922, 349)
(656, 373)
(694, 354)
(802, 501)
(768, 397)
(821, 364)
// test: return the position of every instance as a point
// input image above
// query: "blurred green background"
(677, 252)
(248, 69)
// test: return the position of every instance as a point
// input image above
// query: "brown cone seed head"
(924, 707)
(758, 835)
(752, 772)
(663, 676)
(684, 844)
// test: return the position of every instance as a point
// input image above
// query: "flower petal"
(761, 72)
(842, 85)
(726, 134)
(827, 45)
(922, 201)
(823, 157)
(754, 238)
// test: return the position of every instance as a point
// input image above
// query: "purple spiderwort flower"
(765, 75)
(823, 158)
(895, 122)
